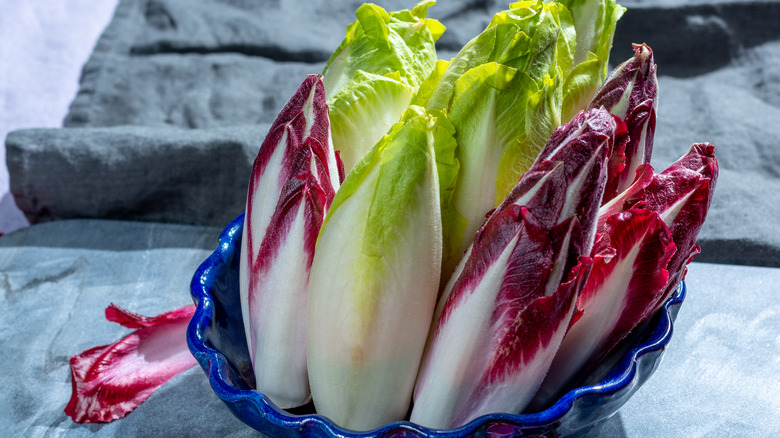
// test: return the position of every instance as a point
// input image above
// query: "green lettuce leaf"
(539, 118)
(503, 94)
(363, 110)
(374, 73)
(594, 21)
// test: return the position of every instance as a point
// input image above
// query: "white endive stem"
(275, 321)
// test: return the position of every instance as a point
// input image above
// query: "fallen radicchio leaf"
(110, 381)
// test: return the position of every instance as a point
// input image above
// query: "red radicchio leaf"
(110, 381)
(507, 325)
(627, 199)
(625, 283)
(696, 174)
(636, 76)
(616, 162)
(681, 195)
(644, 232)
(581, 148)
(531, 336)
(294, 178)
(630, 93)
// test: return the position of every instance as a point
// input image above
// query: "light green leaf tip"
(382, 42)
(595, 22)
(429, 84)
(363, 111)
(371, 78)
(405, 156)
(401, 159)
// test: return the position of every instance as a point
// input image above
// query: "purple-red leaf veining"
(628, 277)
(507, 322)
(581, 147)
(294, 178)
(110, 381)
(503, 315)
(631, 93)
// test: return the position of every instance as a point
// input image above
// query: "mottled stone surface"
(57, 278)
(188, 91)
(56, 281)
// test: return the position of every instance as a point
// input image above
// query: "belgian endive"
(647, 228)
(294, 178)
(505, 92)
(631, 93)
(371, 77)
(505, 311)
(647, 236)
(681, 195)
(502, 92)
(375, 277)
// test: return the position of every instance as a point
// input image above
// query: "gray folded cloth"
(224, 62)
(177, 98)
(197, 176)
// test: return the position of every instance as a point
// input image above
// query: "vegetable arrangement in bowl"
(438, 241)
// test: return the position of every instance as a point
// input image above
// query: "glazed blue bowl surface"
(215, 337)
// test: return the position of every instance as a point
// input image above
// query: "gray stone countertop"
(720, 376)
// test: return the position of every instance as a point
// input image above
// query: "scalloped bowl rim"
(215, 364)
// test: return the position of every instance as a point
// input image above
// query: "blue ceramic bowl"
(216, 338)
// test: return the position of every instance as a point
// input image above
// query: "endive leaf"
(293, 181)
(497, 327)
(110, 381)
(363, 110)
(371, 77)
(631, 93)
(377, 263)
(626, 282)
